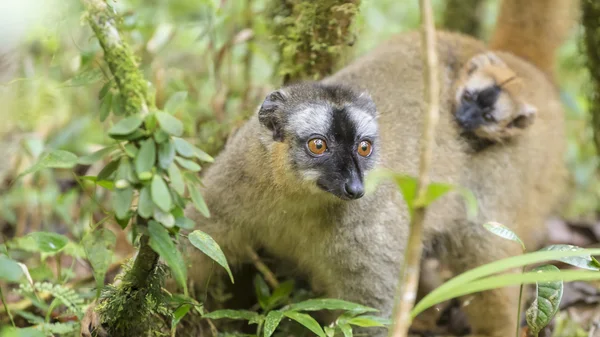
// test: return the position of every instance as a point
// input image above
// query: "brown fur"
(512, 111)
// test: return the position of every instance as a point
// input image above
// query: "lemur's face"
(331, 133)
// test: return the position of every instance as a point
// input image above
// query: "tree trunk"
(591, 41)
(463, 16)
(311, 36)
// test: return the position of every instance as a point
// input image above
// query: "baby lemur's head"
(328, 133)
(489, 99)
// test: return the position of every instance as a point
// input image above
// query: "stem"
(409, 276)
(262, 268)
(519, 306)
(6, 307)
(145, 262)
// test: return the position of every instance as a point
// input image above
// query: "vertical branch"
(463, 16)
(311, 36)
(591, 41)
(409, 275)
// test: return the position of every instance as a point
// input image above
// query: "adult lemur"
(291, 179)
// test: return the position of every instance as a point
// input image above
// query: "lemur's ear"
(484, 59)
(525, 117)
(270, 113)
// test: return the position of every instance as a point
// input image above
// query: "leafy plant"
(275, 309)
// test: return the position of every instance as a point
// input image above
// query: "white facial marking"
(314, 118)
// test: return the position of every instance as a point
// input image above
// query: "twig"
(262, 268)
(409, 275)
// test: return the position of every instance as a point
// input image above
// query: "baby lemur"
(291, 180)
(490, 102)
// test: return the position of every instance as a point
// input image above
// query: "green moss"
(127, 310)
(591, 40)
(120, 59)
(311, 35)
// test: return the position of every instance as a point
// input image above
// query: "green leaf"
(179, 314)
(104, 90)
(232, 314)
(503, 232)
(54, 159)
(184, 223)
(458, 283)
(146, 157)
(167, 219)
(211, 248)
(95, 156)
(583, 261)
(118, 106)
(161, 242)
(198, 200)
(125, 126)
(145, 206)
(203, 156)
(21, 332)
(10, 271)
(131, 150)
(546, 302)
(176, 179)
(166, 154)
(183, 147)
(329, 304)
(262, 291)
(160, 194)
(99, 246)
(47, 242)
(105, 106)
(367, 321)
(307, 321)
(281, 293)
(121, 202)
(435, 191)
(169, 124)
(346, 330)
(160, 136)
(175, 101)
(272, 322)
(188, 164)
(329, 331)
(108, 170)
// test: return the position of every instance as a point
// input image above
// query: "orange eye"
(365, 148)
(317, 146)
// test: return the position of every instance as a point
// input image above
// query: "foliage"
(209, 64)
(351, 314)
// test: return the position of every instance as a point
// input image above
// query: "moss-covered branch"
(127, 309)
(463, 16)
(591, 39)
(311, 35)
(119, 57)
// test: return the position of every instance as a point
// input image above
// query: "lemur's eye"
(488, 116)
(317, 146)
(467, 96)
(365, 148)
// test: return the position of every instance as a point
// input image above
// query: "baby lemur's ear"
(271, 113)
(525, 117)
(484, 59)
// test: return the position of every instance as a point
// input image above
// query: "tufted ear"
(271, 113)
(525, 117)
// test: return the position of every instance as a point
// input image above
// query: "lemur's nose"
(354, 189)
